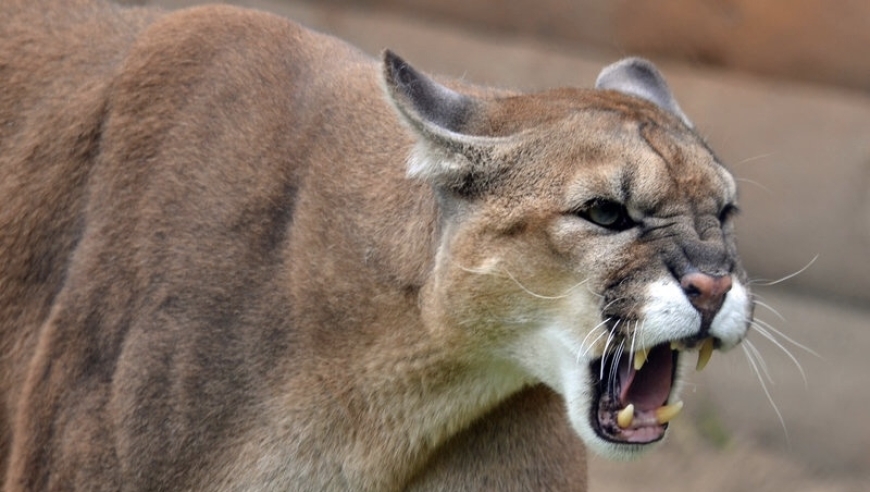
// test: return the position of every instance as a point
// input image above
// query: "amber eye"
(607, 213)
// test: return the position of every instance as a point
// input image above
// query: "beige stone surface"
(803, 158)
(813, 40)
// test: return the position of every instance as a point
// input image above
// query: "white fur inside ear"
(429, 162)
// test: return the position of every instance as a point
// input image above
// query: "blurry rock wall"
(812, 40)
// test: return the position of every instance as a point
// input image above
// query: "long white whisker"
(541, 296)
(523, 287)
(755, 158)
(768, 307)
(785, 337)
(606, 347)
(589, 288)
(753, 182)
(763, 332)
(766, 391)
(604, 307)
(787, 277)
(474, 270)
(760, 360)
(586, 348)
(614, 363)
(578, 284)
(642, 339)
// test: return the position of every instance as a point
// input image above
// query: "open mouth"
(634, 390)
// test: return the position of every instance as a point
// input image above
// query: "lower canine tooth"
(667, 413)
(704, 354)
(625, 416)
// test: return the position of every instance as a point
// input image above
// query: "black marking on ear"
(446, 154)
(423, 100)
(640, 78)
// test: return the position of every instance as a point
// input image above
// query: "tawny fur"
(215, 273)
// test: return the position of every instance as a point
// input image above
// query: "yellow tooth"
(704, 354)
(639, 359)
(667, 413)
(675, 345)
(625, 416)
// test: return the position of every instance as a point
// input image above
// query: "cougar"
(237, 254)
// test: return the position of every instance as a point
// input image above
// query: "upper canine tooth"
(625, 416)
(704, 354)
(667, 413)
(639, 359)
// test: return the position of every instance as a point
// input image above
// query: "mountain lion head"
(587, 238)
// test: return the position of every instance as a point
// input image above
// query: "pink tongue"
(647, 389)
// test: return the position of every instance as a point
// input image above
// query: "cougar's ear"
(446, 155)
(640, 78)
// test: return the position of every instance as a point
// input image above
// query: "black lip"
(600, 388)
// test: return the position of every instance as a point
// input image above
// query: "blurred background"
(781, 90)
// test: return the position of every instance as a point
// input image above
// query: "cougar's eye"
(607, 213)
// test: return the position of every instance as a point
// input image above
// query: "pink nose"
(706, 292)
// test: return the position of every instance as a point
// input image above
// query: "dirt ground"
(805, 428)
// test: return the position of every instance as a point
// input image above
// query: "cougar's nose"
(706, 292)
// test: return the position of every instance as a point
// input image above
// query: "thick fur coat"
(240, 255)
